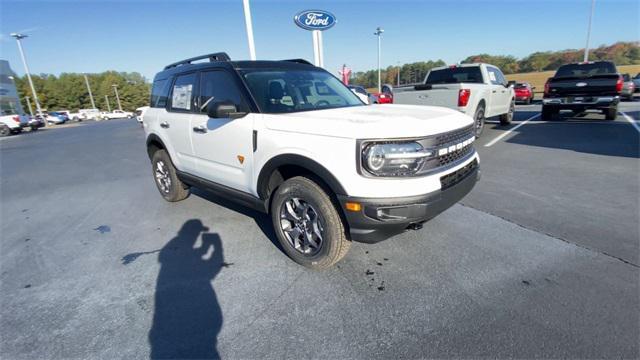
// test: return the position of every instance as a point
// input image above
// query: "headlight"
(394, 159)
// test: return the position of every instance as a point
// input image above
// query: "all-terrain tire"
(302, 198)
(479, 120)
(166, 178)
(611, 113)
(4, 130)
(505, 119)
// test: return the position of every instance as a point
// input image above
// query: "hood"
(373, 121)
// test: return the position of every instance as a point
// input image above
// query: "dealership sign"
(315, 20)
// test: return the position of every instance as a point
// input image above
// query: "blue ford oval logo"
(315, 19)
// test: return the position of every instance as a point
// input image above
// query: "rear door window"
(182, 93)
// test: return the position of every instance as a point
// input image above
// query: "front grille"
(455, 177)
(455, 156)
(454, 136)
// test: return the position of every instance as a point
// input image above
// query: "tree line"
(621, 53)
(68, 91)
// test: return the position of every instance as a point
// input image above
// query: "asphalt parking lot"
(541, 260)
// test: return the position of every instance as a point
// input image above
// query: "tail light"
(619, 84)
(16, 119)
(463, 97)
(546, 88)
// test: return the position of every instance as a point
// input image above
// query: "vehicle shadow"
(262, 220)
(585, 133)
(187, 317)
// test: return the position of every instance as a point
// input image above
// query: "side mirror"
(223, 110)
(511, 83)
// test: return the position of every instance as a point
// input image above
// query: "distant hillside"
(622, 53)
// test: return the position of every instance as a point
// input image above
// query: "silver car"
(628, 87)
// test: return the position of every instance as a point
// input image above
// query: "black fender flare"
(151, 139)
(301, 161)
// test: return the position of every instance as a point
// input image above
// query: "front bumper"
(582, 102)
(382, 218)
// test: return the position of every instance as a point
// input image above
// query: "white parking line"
(492, 142)
(630, 120)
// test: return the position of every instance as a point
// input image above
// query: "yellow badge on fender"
(241, 159)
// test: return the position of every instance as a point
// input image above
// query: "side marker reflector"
(352, 206)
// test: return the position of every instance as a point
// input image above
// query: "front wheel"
(169, 186)
(505, 119)
(307, 224)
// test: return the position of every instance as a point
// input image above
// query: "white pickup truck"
(116, 114)
(478, 90)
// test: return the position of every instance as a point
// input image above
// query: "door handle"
(200, 129)
(164, 125)
(494, 91)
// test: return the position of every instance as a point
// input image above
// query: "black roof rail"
(299, 61)
(219, 56)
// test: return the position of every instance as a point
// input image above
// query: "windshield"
(467, 74)
(285, 91)
(586, 70)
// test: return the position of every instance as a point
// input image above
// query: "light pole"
(106, 97)
(29, 105)
(586, 48)
(398, 84)
(26, 69)
(86, 81)
(378, 33)
(115, 88)
(249, 26)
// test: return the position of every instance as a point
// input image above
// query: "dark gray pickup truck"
(583, 86)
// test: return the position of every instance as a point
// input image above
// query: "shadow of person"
(187, 316)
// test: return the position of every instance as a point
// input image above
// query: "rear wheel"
(548, 113)
(505, 119)
(165, 175)
(611, 113)
(307, 224)
(479, 120)
(4, 130)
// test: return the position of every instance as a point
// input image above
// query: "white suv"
(289, 139)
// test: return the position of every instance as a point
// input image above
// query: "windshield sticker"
(181, 97)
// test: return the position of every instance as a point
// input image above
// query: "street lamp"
(26, 69)
(378, 33)
(115, 88)
(106, 97)
(586, 48)
(29, 105)
(398, 84)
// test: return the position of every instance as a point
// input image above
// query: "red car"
(384, 97)
(524, 92)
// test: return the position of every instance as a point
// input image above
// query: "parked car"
(385, 96)
(628, 87)
(116, 114)
(524, 92)
(71, 116)
(140, 113)
(327, 168)
(593, 85)
(53, 117)
(478, 90)
(35, 122)
(12, 123)
(89, 114)
(361, 93)
(636, 82)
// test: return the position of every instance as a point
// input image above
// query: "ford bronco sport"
(289, 139)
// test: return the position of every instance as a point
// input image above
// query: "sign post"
(315, 21)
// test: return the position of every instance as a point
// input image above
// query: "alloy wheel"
(302, 226)
(162, 177)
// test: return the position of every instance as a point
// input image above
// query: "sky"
(144, 36)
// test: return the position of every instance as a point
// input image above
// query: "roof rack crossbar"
(299, 61)
(219, 56)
